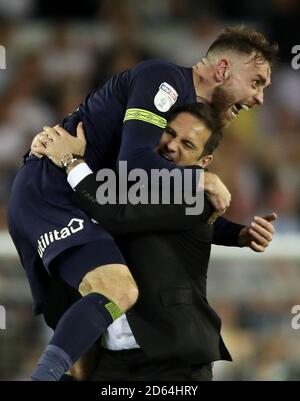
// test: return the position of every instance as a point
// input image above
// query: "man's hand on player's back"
(217, 192)
(56, 142)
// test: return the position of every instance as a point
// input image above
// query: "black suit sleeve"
(125, 219)
(226, 232)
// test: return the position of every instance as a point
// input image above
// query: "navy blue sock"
(77, 330)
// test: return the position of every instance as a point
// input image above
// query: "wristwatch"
(68, 159)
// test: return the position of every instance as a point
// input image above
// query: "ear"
(205, 161)
(221, 70)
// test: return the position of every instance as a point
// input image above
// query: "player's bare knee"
(113, 281)
(131, 294)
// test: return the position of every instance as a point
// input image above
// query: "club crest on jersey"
(165, 97)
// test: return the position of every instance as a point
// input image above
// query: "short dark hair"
(242, 39)
(209, 117)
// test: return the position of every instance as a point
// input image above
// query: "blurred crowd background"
(57, 51)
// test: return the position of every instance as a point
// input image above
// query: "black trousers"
(134, 365)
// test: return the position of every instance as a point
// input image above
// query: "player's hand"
(56, 142)
(37, 144)
(217, 193)
(259, 233)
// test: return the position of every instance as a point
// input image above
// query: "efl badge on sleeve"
(165, 97)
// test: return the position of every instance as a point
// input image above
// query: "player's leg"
(107, 292)
(116, 283)
(61, 297)
(42, 215)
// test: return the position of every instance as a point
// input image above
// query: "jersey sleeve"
(153, 92)
(121, 219)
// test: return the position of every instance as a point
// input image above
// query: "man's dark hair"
(242, 39)
(209, 117)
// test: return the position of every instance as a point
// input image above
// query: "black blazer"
(172, 318)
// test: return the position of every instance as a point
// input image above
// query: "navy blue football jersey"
(124, 119)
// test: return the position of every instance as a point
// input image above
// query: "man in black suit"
(176, 332)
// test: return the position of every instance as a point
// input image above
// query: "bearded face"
(242, 89)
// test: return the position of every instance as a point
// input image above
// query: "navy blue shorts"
(47, 227)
